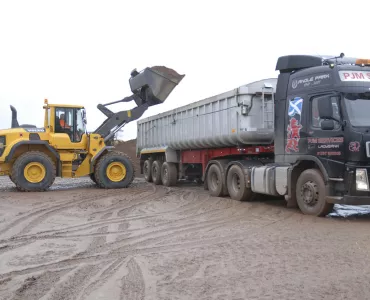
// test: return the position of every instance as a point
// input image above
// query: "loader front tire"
(114, 170)
(33, 171)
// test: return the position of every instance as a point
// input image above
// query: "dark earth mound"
(129, 147)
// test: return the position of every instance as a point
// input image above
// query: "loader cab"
(70, 121)
(67, 125)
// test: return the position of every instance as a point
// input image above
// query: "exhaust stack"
(15, 123)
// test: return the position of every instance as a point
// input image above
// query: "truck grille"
(2, 145)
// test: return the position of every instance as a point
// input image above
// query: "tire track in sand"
(100, 279)
(140, 247)
(70, 204)
(42, 214)
(133, 285)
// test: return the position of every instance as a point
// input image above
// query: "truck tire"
(33, 171)
(236, 185)
(114, 170)
(311, 192)
(147, 170)
(214, 181)
(169, 174)
(156, 172)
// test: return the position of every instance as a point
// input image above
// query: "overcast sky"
(82, 52)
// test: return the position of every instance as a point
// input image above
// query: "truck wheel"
(311, 192)
(92, 177)
(114, 171)
(169, 174)
(156, 172)
(11, 179)
(214, 181)
(236, 185)
(147, 169)
(33, 171)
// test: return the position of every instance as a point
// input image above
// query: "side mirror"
(327, 125)
(325, 107)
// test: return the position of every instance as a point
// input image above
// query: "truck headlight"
(362, 182)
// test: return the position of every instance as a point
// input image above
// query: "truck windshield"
(358, 108)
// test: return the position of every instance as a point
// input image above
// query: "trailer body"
(243, 116)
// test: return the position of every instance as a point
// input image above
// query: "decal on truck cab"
(354, 76)
(294, 125)
(354, 146)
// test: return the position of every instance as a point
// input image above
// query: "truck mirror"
(327, 125)
(325, 107)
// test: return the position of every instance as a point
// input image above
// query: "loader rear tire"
(114, 170)
(92, 177)
(214, 181)
(33, 171)
(147, 170)
(156, 172)
(236, 185)
(169, 174)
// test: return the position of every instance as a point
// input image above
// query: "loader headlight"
(362, 182)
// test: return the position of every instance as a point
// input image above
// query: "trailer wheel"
(169, 174)
(236, 185)
(147, 170)
(156, 172)
(214, 181)
(114, 170)
(33, 171)
(311, 192)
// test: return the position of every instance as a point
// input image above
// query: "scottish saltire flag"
(295, 106)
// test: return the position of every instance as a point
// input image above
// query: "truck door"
(324, 142)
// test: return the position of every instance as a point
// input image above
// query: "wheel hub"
(116, 171)
(236, 182)
(165, 174)
(214, 180)
(34, 172)
(310, 193)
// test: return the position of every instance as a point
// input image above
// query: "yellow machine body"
(63, 150)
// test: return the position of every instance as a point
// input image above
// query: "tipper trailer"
(304, 136)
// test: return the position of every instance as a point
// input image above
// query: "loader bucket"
(154, 84)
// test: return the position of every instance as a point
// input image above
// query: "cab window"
(316, 120)
(70, 121)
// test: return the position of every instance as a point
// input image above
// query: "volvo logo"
(294, 83)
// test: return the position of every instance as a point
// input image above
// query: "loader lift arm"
(150, 87)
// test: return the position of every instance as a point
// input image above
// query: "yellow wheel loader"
(33, 157)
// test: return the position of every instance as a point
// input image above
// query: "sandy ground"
(146, 242)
